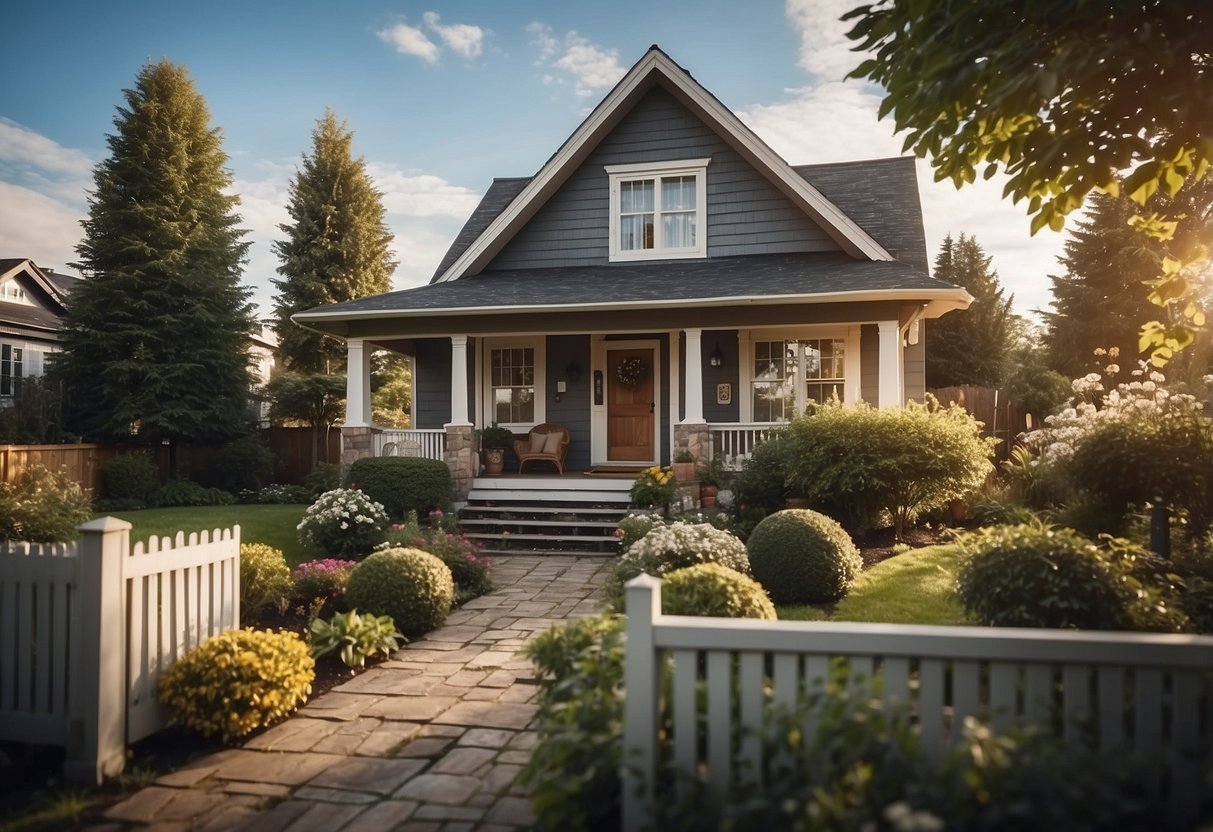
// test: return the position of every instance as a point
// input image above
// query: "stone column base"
(356, 443)
(694, 438)
(461, 458)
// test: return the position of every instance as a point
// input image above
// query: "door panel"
(630, 413)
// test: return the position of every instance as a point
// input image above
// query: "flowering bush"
(343, 521)
(322, 579)
(469, 568)
(633, 527)
(655, 486)
(238, 681)
(678, 545)
(43, 507)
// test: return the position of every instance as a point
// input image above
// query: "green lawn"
(917, 587)
(273, 525)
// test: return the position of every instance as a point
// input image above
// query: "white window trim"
(745, 348)
(487, 409)
(657, 170)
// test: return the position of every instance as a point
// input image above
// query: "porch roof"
(830, 277)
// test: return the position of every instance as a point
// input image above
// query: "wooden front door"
(630, 411)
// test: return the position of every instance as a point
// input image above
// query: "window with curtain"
(787, 375)
(658, 210)
(11, 369)
(512, 378)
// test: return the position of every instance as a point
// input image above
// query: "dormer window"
(658, 210)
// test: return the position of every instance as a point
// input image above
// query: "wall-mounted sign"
(724, 394)
(598, 387)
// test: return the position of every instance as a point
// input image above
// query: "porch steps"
(530, 515)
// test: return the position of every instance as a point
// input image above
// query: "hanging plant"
(631, 372)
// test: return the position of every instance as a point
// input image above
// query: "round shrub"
(343, 522)
(678, 545)
(42, 506)
(265, 579)
(713, 590)
(413, 587)
(403, 484)
(129, 477)
(238, 681)
(244, 464)
(1034, 576)
(325, 579)
(803, 557)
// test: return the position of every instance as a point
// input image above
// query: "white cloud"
(421, 195)
(409, 40)
(589, 66)
(37, 226)
(21, 146)
(824, 49)
(462, 38)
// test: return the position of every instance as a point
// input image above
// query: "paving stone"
(298, 734)
(491, 658)
(488, 714)
(442, 730)
(369, 774)
(463, 760)
(144, 805)
(425, 747)
(327, 795)
(514, 811)
(482, 800)
(451, 789)
(519, 693)
(420, 826)
(515, 757)
(256, 789)
(410, 708)
(291, 769)
(387, 739)
(336, 705)
(186, 777)
(429, 811)
(279, 817)
(486, 737)
(190, 804)
(499, 679)
(386, 814)
(481, 694)
(524, 741)
(389, 682)
(324, 817)
(230, 814)
(499, 778)
(466, 678)
(459, 826)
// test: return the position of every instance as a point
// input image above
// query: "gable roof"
(655, 68)
(43, 318)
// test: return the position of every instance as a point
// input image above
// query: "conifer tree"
(1098, 302)
(337, 246)
(155, 335)
(969, 346)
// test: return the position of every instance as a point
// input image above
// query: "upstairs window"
(658, 211)
(10, 369)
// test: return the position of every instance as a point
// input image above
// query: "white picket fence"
(1143, 693)
(86, 630)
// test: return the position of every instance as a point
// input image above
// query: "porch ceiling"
(512, 300)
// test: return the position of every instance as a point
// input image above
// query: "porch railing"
(735, 441)
(428, 443)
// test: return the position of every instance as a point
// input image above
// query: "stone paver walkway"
(432, 739)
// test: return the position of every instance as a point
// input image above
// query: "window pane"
(636, 232)
(679, 230)
(773, 401)
(636, 197)
(822, 392)
(678, 193)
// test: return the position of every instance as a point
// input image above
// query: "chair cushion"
(552, 444)
(537, 442)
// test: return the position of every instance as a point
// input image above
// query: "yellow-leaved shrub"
(238, 681)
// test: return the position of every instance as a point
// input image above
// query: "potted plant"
(684, 466)
(655, 487)
(710, 475)
(493, 442)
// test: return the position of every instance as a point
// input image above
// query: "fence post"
(96, 721)
(640, 684)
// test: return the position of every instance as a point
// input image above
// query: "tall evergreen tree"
(970, 346)
(155, 335)
(1099, 302)
(337, 246)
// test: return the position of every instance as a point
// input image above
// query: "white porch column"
(459, 380)
(357, 384)
(891, 390)
(694, 377)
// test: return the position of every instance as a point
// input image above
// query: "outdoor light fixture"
(716, 359)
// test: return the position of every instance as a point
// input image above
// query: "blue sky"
(442, 97)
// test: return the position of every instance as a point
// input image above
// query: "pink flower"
(618, 532)
(436, 513)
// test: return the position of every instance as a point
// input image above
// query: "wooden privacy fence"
(86, 630)
(1142, 693)
(993, 408)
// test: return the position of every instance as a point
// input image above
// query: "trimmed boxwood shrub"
(710, 589)
(129, 477)
(414, 587)
(403, 484)
(803, 557)
(265, 580)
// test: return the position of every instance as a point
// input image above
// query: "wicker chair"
(530, 449)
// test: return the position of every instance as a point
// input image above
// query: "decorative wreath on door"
(631, 372)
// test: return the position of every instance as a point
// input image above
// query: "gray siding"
(729, 373)
(432, 381)
(869, 364)
(573, 409)
(915, 366)
(746, 214)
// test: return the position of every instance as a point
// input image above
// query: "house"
(665, 282)
(33, 301)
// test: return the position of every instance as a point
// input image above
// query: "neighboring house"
(261, 349)
(664, 282)
(32, 304)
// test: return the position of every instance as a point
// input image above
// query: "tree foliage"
(156, 332)
(313, 399)
(970, 346)
(337, 246)
(1064, 97)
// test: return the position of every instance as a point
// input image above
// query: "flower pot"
(707, 495)
(494, 461)
(684, 471)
